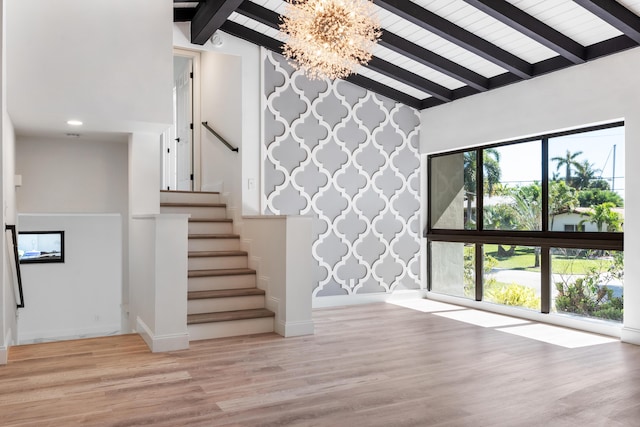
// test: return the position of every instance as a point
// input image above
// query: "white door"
(181, 150)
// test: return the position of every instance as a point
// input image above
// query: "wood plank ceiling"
(436, 51)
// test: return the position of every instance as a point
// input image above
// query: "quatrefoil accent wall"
(349, 158)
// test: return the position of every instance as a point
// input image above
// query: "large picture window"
(535, 223)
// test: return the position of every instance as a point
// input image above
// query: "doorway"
(178, 148)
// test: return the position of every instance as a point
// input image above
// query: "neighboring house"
(571, 221)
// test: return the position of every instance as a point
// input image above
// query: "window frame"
(544, 238)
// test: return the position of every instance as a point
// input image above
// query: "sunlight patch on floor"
(557, 335)
(482, 318)
(425, 305)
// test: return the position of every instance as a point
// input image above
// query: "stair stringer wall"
(279, 250)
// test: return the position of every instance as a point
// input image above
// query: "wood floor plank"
(373, 365)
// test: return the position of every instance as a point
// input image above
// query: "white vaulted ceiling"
(436, 51)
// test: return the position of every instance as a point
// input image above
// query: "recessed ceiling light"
(74, 122)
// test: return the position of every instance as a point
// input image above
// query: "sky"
(520, 163)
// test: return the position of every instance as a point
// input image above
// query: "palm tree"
(568, 161)
(585, 173)
(491, 172)
(602, 214)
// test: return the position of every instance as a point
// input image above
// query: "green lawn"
(524, 259)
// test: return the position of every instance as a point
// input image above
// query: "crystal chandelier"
(329, 38)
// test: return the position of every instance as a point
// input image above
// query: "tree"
(562, 199)
(602, 215)
(568, 161)
(589, 197)
(491, 172)
(528, 211)
(491, 169)
(585, 174)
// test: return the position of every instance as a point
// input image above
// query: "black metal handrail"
(15, 266)
(217, 135)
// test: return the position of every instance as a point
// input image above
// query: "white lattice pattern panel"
(349, 158)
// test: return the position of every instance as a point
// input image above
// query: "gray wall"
(349, 158)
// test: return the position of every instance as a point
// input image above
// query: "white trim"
(196, 106)
(583, 324)
(4, 348)
(630, 335)
(70, 334)
(162, 343)
(339, 300)
(294, 329)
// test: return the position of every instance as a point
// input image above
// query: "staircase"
(223, 299)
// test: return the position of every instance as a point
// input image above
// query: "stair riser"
(205, 331)
(215, 305)
(175, 197)
(210, 228)
(214, 244)
(198, 212)
(217, 283)
(210, 263)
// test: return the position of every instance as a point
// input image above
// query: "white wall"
(8, 326)
(230, 99)
(280, 251)
(600, 91)
(107, 62)
(82, 296)
(71, 175)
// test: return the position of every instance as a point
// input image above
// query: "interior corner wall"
(221, 108)
(349, 158)
(237, 91)
(8, 311)
(603, 90)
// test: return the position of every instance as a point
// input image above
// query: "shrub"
(513, 294)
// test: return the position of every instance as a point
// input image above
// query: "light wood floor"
(375, 365)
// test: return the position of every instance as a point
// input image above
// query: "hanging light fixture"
(329, 38)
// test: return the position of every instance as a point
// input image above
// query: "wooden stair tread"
(221, 272)
(189, 192)
(226, 316)
(214, 236)
(203, 254)
(210, 220)
(192, 205)
(225, 293)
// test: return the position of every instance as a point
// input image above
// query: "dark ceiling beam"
(210, 15)
(252, 36)
(259, 13)
(616, 15)
(270, 43)
(407, 77)
(183, 14)
(390, 41)
(433, 60)
(537, 30)
(272, 19)
(457, 35)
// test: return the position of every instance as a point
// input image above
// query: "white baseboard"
(630, 335)
(4, 348)
(294, 329)
(340, 300)
(70, 334)
(162, 343)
